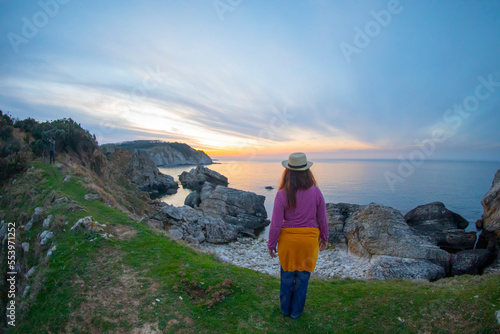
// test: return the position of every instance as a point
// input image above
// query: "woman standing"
(299, 228)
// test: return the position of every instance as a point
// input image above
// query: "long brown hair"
(293, 180)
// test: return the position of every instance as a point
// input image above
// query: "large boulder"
(144, 173)
(434, 217)
(444, 227)
(380, 230)
(237, 207)
(469, 262)
(196, 177)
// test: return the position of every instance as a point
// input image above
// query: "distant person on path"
(299, 228)
(52, 150)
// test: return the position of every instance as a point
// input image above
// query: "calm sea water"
(459, 185)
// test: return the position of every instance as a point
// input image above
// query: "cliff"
(163, 153)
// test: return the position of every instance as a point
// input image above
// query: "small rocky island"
(366, 241)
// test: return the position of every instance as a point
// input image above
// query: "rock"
(45, 236)
(469, 262)
(144, 173)
(88, 224)
(191, 239)
(218, 231)
(91, 196)
(67, 178)
(81, 221)
(49, 253)
(435, 217)
(269, 187)
(387, 267)
(200, 237)
(72, 206)
(25, 246)
(47, 222)
(37, 215)
(156, 224)
(494, 268)
(61, 200)
(30, 272)
(26, 290)
(338, 215)
(190, 214)
(441, 225)
(196, 177)
(193, 199)
(237, 207)
(379, 230)
(175, 234)
(172, 212)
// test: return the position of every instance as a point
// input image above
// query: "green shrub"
(6, 132)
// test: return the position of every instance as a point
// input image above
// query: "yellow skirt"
(298, 248)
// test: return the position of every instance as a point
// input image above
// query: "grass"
(148, 282)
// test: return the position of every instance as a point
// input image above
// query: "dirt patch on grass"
(123, 232)
(208, 296)
(113, 293)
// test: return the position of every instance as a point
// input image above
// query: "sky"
(408, 80)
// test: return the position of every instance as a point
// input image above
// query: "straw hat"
(297, 161)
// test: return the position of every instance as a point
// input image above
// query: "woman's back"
(304, 214)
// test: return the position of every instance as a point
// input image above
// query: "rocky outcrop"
(222, 215)
(144, 173)
(444, 227)
(183, 155)
(196, 177)
(380, 230)
(162, 153)
(397, 250)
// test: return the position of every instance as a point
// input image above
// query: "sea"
(460, 185)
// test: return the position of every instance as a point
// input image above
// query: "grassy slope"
(112, 285)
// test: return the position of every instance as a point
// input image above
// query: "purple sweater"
(310, 212)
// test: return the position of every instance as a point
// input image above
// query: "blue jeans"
(293, 290)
